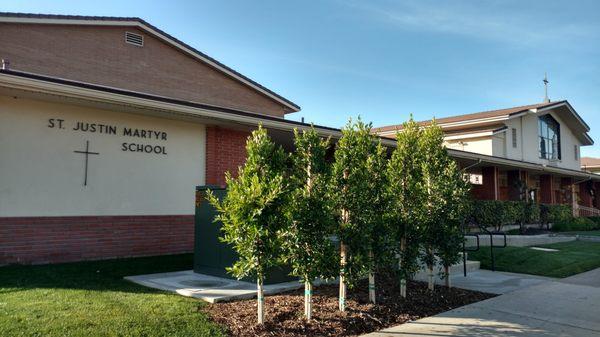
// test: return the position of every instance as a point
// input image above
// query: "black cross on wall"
(87, 155)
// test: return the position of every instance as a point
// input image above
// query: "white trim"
(33, 85)
(470, 135)
(155, 34)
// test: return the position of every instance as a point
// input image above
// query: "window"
(549, 141)
(514, 138)
(576, 152)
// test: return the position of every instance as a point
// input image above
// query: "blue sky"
(383, 60)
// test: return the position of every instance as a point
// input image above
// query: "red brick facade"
(225, 151)
(38, 240)
(487, 190)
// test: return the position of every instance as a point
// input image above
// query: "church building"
(108, 124)
(528, 152)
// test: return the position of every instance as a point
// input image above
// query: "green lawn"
(92, 299)
(572, 258)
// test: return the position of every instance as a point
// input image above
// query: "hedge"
(575, 224)
(498, 213)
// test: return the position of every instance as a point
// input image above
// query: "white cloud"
(522, 27)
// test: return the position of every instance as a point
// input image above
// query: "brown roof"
(474, 116)
(589, 161)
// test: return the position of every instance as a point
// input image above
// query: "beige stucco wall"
(481, 145)
(500, 144)
(40, 175)
(567, 139)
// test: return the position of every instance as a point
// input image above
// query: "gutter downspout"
(473, 165)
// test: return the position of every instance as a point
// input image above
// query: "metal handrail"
(465, 250)
(491, 234)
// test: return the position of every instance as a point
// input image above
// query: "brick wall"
(39, 240)
(486, 191)
(225, 151)
(99, 55)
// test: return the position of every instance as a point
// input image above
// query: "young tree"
(446, 198)
(252, 212)
(405, 190)
(350, 183)
(308, 247)
(455, 192)
(378, 207)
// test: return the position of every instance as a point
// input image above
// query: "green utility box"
(211, 256)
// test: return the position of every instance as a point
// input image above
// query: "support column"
(584, 194)
(513, 177)
(546, 189)
(597, 197)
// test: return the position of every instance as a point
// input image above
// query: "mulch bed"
(284, 312)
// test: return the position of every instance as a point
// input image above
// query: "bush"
(498, 213)
(575, 224)
(532, 213)
(555, 213)
(595, 219)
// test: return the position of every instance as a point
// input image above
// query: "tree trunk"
(260, 300)
(342, 299)
(343, 252)
(430, 284)
(402, 279)
(372, 298)
(447, 272)
(308, 299)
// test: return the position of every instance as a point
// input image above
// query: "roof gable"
(473, 121)
(155, 33)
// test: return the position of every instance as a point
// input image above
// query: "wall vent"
(135, 39)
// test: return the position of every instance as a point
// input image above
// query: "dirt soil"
(284, 312)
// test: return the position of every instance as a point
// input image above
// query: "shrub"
(497, 213)
(555, 213)
(574, 224)
(595, 219)
(532, 213)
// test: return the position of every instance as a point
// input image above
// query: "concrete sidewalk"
(491, 282)
(567, 307)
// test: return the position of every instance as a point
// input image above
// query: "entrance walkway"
(491, 282)
(567, 307)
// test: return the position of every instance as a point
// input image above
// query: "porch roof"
(471, 158)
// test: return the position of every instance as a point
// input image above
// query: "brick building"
(106, 127)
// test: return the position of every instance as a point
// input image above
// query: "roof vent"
(135, 39)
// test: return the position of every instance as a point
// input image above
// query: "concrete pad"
(544, 249)
(519, 240)
(492, 282)
(475, 322)
(208, 288)
(590, 278)
(552, 308)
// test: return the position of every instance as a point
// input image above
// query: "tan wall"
(99, 55)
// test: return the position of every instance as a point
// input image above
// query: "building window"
(514, 137)
(576, 152)
(549, 141)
